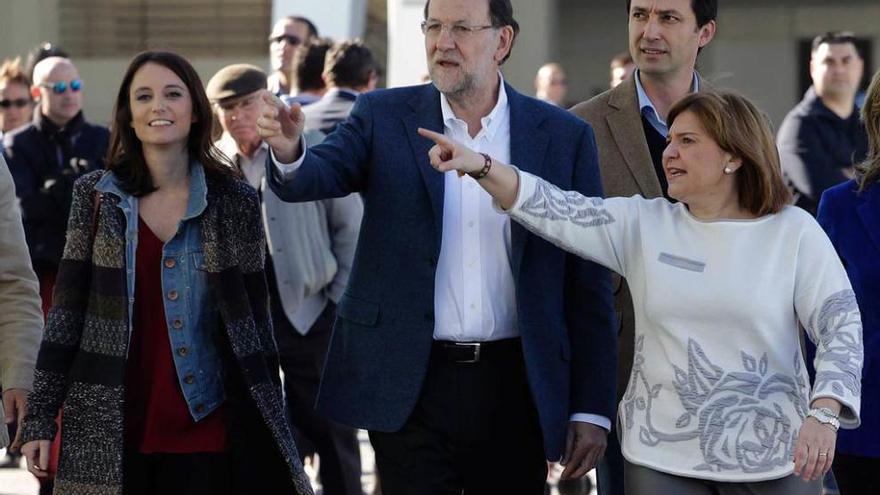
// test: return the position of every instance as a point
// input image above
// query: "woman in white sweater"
(718, 399)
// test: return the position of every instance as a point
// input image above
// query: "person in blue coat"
(850, 214)
(472, 350)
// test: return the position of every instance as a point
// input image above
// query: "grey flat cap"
(235, 80)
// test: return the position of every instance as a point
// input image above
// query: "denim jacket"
(190, 310)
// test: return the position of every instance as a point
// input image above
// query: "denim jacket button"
(200, 408)
(189, 379)
(172, 295)
(170, 263)
(183, 351)
(177, 324)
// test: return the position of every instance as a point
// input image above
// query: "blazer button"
(172, 295)
(189, 379)
(170, 263)
(177, 324)
(183, 352)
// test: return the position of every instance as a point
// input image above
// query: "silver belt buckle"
(473, 345)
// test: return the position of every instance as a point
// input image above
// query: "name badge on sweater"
(683, 263)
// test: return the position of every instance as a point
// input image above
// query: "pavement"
(21, 482)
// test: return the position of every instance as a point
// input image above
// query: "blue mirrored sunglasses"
(59, 87)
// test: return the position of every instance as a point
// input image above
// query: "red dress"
(157, 418)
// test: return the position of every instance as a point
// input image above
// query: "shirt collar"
(490, 123)
(645, 105)
(198, 189)
(228, 146)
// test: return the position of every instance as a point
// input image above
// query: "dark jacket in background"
(45, 160)
(816, 145)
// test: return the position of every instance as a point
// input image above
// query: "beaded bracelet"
(485, 170)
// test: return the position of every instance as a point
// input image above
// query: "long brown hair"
(125, 155)
(868, 172)
(739, 128)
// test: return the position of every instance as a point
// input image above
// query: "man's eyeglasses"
(59, 87)
(18, 103)
(433, 29)
(291, 39)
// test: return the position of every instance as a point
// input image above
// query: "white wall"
(334, 18)
(406, 45)
(406, 49)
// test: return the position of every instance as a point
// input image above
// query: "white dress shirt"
(474, 292)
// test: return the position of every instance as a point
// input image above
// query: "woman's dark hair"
(125, 156)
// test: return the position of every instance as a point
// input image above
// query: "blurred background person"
(850, 215)
(287, 36)
(308, 70)
(821, 138)
(349, 70)
(46, 157)
(551, 84)
(622, 67)
(16, 104)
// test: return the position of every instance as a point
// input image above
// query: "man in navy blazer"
(463, 343)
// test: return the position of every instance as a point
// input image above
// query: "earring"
(728, 170)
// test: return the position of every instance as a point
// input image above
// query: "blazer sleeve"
(589, 308)
(335, 168)
(21, 319)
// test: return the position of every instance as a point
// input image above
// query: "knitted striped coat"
(82, 357)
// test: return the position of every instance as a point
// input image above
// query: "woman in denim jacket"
(159, 343)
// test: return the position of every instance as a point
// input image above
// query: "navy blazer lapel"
(427, 114)
(528, 146)
(869, 213)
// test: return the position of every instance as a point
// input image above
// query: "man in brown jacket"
(629, 120)
(21, 321)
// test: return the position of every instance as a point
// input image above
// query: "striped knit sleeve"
(65, 320)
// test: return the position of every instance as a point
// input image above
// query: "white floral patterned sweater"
(718, 388)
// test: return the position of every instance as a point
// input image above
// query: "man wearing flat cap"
(311, 246)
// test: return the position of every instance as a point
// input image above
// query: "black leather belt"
(474, 352)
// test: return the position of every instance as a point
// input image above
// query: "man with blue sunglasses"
(46, 156)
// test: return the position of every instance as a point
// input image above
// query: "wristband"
(485, 170)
